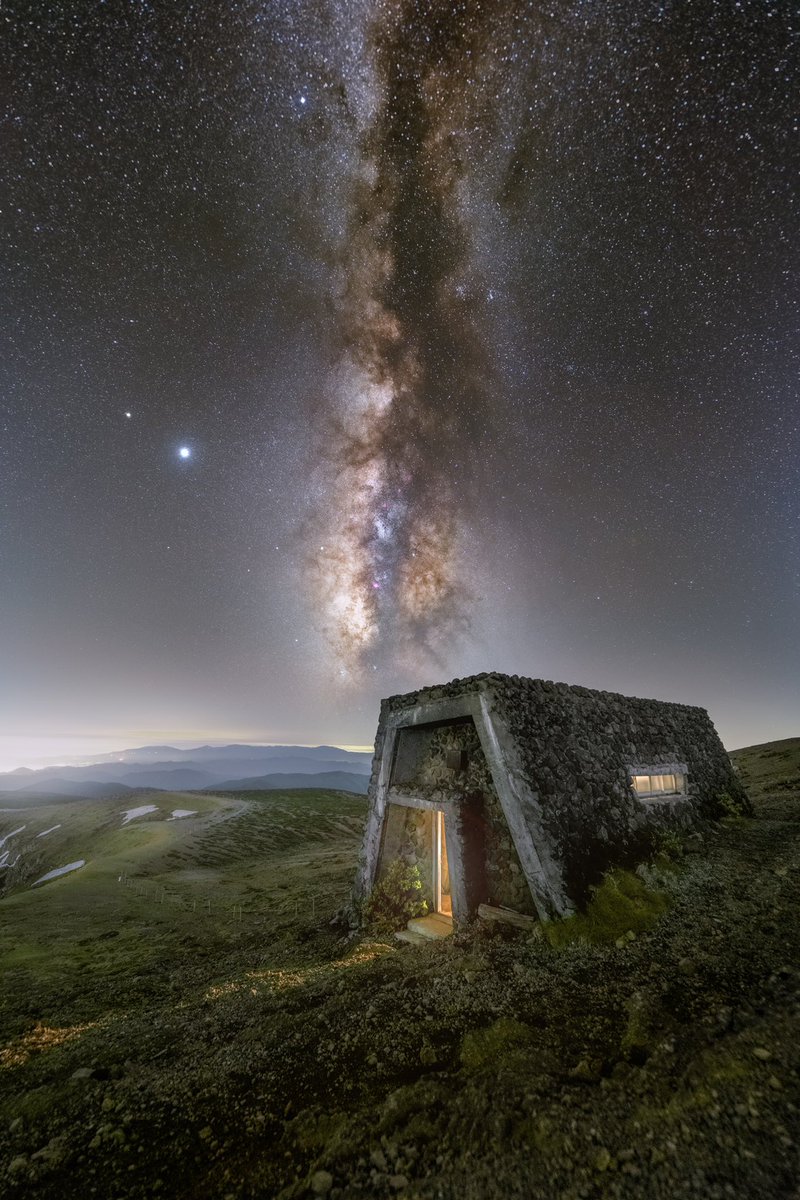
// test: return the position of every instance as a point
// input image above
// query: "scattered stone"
(724, 1018)
(687, 966)
(18, 1164)
(321, 1183)
(52, 1153)
(603, 1160)
(378, 1159)
(586, 1070)
(427, 1054)
(398, 1182)
(83, 1073)
(762, 1053)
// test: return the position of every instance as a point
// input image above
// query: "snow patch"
(45, 832)
(130, 814)
(61, 871)
(13, 833)
(177, 813)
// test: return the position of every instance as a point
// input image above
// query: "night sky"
(351, 345)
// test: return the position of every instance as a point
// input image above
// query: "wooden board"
(507, 916)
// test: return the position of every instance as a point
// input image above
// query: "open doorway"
(443, 902)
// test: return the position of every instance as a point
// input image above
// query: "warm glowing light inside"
(668, 784)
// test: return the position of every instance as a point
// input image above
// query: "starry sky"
(353, 345)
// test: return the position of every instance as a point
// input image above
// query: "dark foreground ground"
(269, 1056)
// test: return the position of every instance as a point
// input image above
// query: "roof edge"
(496, 680)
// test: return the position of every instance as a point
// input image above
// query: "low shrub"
(726, 807)
(395, 899)
(668, 843)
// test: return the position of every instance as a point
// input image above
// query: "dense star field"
(351, 345)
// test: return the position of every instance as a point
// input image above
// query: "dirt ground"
(279, 1057)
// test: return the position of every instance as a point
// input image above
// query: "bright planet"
(184, 452)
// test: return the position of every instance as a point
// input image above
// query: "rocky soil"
(294, 1061)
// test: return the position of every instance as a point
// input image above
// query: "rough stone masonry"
(537, 783)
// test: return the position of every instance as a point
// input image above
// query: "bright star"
(185, 452)
(128, 415)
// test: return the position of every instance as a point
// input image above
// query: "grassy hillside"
(773, 767)
(271, 1055)
(154, 886)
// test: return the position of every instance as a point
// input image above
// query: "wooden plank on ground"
(507, 916)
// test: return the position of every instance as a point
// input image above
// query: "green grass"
(86, 945)
(772, 767)
(618, 907)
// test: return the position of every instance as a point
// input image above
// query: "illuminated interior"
(441, 884)
(670, 784)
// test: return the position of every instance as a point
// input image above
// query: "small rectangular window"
(672, 784)
(650, 784)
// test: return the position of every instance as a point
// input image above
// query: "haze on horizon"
(348, 348)
(35, 753)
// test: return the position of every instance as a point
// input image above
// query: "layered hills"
(170, 768)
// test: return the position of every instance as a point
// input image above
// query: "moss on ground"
(620, 907)
(485, 1047)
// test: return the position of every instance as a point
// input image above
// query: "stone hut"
(520, 793)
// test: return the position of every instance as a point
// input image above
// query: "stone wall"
(572, 747)
(408, 836)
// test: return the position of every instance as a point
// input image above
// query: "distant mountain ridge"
(206, 767)
(66, 789)
(234, 750)
(341, 781)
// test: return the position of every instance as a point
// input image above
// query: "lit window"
(650, 784)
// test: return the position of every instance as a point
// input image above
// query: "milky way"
(409, 394)
(478, 319)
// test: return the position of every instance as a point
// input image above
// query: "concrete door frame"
(520, 805)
